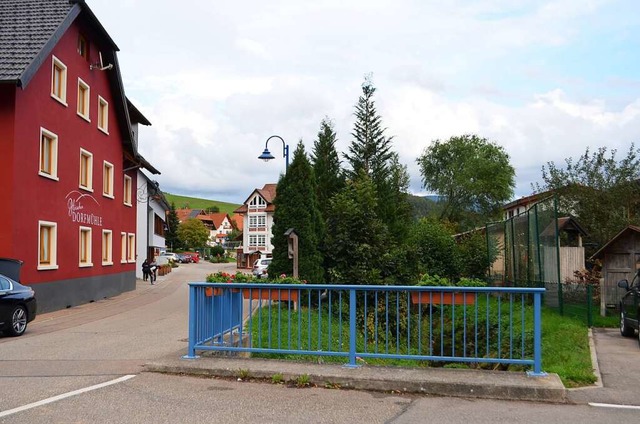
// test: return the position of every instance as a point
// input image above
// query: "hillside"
(196, 203)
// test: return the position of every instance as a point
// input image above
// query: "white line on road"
(64, 396)
(611, 405)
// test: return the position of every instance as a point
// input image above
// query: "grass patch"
(565, 344)
(196, 203)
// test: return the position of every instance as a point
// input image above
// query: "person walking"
(146, 271)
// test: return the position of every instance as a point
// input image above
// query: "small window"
(107, 247)
(85, 247)
(83, 99)
(47, 242)
(103, 115)
(107, 180)
(257, 203)
(83, 47)
(123, 248)
(59, 81)
(86, 170)
(131, 248)
(48, 154)
(127, 190)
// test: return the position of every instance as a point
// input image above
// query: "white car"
(169, 255)
(260, 267)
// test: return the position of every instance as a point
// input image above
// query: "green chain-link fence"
(528, 254)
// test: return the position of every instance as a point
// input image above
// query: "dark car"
(17, 306)
(184, 258)
(630, 308)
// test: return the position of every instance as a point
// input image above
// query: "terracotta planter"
(273, 294)
(443, 298)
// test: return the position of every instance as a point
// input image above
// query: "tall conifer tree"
(326, 166)
(296, 207)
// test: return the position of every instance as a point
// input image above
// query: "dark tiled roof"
(25, 28)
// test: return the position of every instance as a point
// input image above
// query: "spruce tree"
(171, 236)
(326, 166)
(370, 150)
(296, 207)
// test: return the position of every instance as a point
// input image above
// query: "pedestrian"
(146, 270)
(152, 271)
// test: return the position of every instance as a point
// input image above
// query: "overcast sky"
(544, 79)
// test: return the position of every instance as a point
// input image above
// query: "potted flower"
(448, 297)
(225, 277)
(275, 294)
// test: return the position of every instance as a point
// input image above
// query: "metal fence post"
(191, 351)
(352, 330)
(537, 338)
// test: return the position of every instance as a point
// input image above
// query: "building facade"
(257, 215)
(68, 155)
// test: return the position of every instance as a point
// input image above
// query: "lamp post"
(267, 156)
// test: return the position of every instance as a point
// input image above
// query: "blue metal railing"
(491, 325)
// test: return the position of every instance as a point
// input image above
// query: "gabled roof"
(268, 193)
(629, 228)
(566, 224)
(218, 218)
(237, 221)
(29, 31)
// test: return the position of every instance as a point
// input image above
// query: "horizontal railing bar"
(285, 287)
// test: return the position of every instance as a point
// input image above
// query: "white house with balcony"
(257, 219)
(152, 208)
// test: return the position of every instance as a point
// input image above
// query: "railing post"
(537, 338)
(352, 330)
(191, 352)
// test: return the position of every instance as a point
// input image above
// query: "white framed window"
(84, 96)
(107, 247)
(84, 247)
(128, 187)
(253, 241)
(262, 241)
(107, 179)
(48, 154)
(257, 221)
(59, 81)
(86, 170)
(47, 245)
(123, 248)
(131, 247)
(257, 203)
(103, 115)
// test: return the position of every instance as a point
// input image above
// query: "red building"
(68, 155)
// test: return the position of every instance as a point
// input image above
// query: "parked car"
(195, 256)
(17, 306)
(630, 308)
(184, 258)
(260, 267)
(169, 255)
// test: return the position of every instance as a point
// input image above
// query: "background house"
(257, 214)
(151, 221)
(68, 154)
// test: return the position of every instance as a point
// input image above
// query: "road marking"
(64, 396)
(611, 405)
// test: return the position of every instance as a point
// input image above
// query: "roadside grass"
(565, 344)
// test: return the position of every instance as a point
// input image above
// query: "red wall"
(38, 198)
(7, 104)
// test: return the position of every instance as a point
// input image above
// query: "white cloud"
(217, 79)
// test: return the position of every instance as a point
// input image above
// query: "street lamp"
(267, 156)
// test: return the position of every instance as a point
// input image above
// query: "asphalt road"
(79, 348)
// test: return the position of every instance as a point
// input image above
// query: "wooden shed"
(620, 259)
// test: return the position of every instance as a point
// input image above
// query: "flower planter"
(271, 294)
(217, 291)
(443, 298)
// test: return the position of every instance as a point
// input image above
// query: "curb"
(428, 381)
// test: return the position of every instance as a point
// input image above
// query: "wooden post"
(293, 254)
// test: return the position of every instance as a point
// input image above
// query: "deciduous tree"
(473, 176)
(193, 234)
